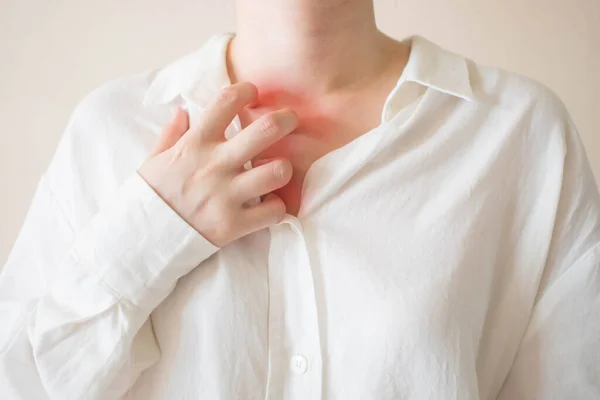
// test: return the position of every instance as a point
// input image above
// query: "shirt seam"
(526, 335)
(574, 265)
(45, 180)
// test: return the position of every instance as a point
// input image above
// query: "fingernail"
(290, 120)
(279, 171)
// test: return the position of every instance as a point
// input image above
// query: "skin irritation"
(313, 138)
(324, 59)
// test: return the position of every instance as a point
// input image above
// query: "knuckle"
(271, 125)
(221, 158)
(228, 96)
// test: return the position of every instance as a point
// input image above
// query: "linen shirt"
(450, 253)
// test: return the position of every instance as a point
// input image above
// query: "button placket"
(294, 345)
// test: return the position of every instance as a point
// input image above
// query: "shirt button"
(299, 364)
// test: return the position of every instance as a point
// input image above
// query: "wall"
(52, 52)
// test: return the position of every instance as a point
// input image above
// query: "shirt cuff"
(139, 246)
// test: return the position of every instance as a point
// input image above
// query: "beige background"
(52, 52)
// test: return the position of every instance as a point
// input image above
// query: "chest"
(321, 131)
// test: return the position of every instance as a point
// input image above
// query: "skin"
(320, 73)
(324, 59)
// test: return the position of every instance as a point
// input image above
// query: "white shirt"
(451, 253)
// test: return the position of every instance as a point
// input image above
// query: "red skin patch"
(303, 146)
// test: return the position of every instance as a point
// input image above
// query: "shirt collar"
(203, 73)
(198, 76)
(437, 68)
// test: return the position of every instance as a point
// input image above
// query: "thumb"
(172, 132)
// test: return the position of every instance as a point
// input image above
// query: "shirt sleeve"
(84, 275)
(559, 356)
(85, 333)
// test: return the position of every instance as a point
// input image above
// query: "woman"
(329, 214)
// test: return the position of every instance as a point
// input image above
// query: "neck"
(314, 46)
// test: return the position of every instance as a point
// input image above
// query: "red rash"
(303, 146)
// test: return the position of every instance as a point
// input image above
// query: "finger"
(223, 110)
(172, 132)
(260, 180)
(262, 215)
(257, 137)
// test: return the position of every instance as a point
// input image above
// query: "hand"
(200, 173)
